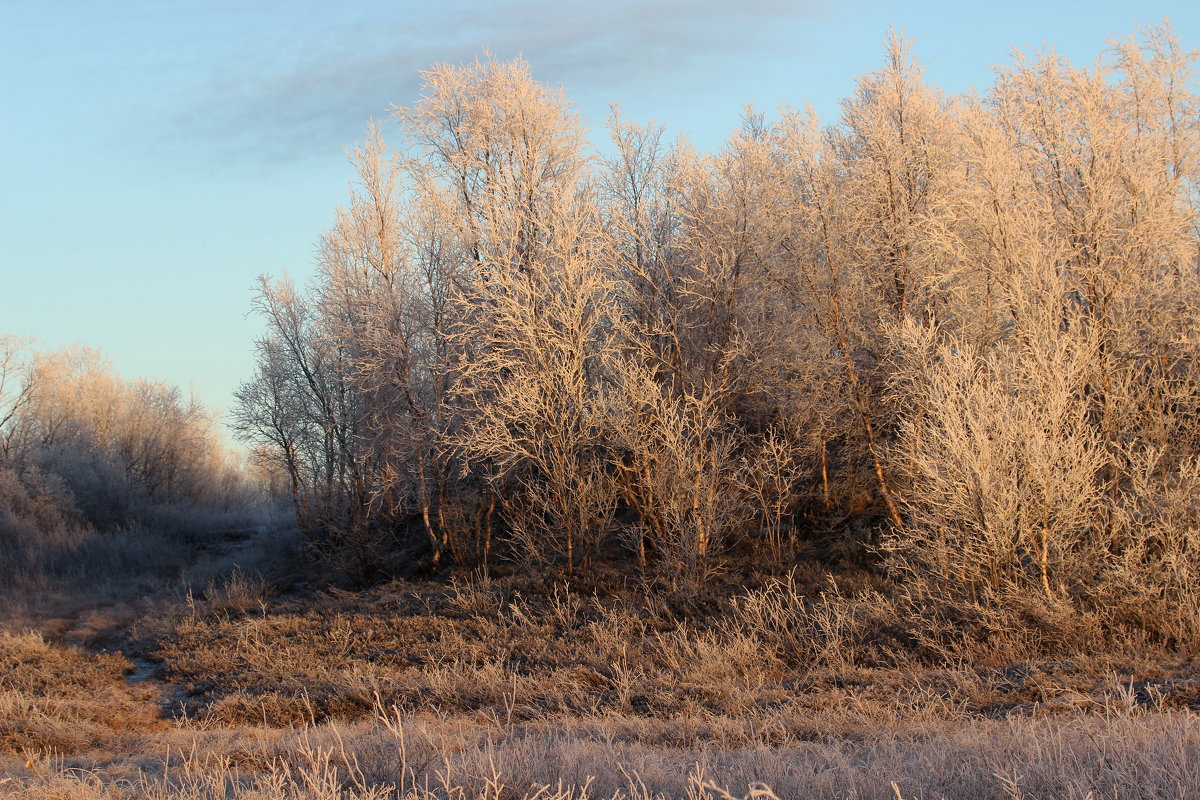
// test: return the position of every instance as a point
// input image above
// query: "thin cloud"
(304, 94)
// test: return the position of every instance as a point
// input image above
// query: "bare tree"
(16, 386)
(973, 318)
(1060, 373)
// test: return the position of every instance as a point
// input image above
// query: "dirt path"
(123, 617)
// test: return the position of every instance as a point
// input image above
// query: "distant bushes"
(37, 513)
(86, 453)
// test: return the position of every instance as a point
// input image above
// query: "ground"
(240, 673)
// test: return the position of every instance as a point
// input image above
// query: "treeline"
(967, 326)
(85, 452)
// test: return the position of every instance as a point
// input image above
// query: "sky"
(156, 156)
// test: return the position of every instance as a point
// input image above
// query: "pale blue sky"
(156, 156)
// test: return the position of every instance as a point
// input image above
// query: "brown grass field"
(235, 674)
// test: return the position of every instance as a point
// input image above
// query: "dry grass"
(1121, 754)
(54, 699)
(785, 651)
(519, 688)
